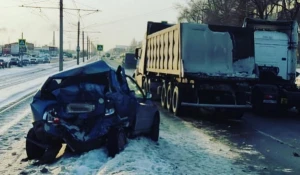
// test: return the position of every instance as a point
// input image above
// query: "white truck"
(276, 44)
(14, 49)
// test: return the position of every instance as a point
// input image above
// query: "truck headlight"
(80, 108)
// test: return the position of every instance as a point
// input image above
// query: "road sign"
(22, 42)
(100, 47)
(78, 49)
(22, 49)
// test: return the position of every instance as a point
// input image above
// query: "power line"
(84, 4)
(96, 24)
(34, 2)
(84, 31)
(58, 8)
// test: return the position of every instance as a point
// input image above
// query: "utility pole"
(61, 36)
(53, 38)
(87, 47)
(82, 46)
(22, 35)
(78, 47)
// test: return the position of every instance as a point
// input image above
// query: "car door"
(146, 108)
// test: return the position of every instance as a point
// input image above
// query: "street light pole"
(78, 48)
(82, 46)
(87, 47)
(61, 36)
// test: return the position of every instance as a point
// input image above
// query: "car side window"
(134, 87)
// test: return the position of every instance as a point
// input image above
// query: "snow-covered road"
(182, 148)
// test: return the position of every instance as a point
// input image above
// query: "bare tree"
(133, 45)
(229, 12)
(262, 8)
(193, 11)
(290, 10)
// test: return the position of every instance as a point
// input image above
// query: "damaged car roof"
(92, 68)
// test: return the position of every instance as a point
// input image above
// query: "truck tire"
(169, 97)
(145, 85)
(33, 151)
(163, 95)
(176, 101)
(116, 141)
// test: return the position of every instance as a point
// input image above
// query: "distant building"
(52, 51)
(13, 48)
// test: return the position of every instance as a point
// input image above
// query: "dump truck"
(276, 44)
(197, 65)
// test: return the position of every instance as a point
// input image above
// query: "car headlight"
(109, 111)
(50, 117)
(80, 108)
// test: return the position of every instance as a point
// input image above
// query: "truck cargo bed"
(204, 49)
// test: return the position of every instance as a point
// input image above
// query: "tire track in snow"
(13, 114)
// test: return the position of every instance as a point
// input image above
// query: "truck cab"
(276, 44)
(275, 48)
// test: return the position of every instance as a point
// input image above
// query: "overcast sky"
(119, 20)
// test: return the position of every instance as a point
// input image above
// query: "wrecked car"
(86, 108)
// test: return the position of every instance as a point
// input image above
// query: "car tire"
(33, 151)
(116, 141)
(154, 133)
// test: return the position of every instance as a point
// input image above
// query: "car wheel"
(33, 151)
(116, 141)
(154, 133)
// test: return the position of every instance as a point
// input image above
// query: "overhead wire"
(84, 5)
(111, 22)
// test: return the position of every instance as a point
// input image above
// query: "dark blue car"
(88, 107)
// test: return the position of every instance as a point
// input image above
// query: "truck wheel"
(145, 85)
(163, 95)
(154, 133)
(169, 97)
(33, 151)
(116, 141)
(149, 85)
(176, 101)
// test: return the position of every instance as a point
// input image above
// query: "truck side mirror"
(137, 53)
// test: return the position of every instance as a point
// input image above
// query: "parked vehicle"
(40, 60)
(86, 108)
(276, 44)
(5, 61)
(198, 65)
(14, 61)
(25, 61)
(128, 60)
(33, 61)
(46, 60)
(2, 63)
